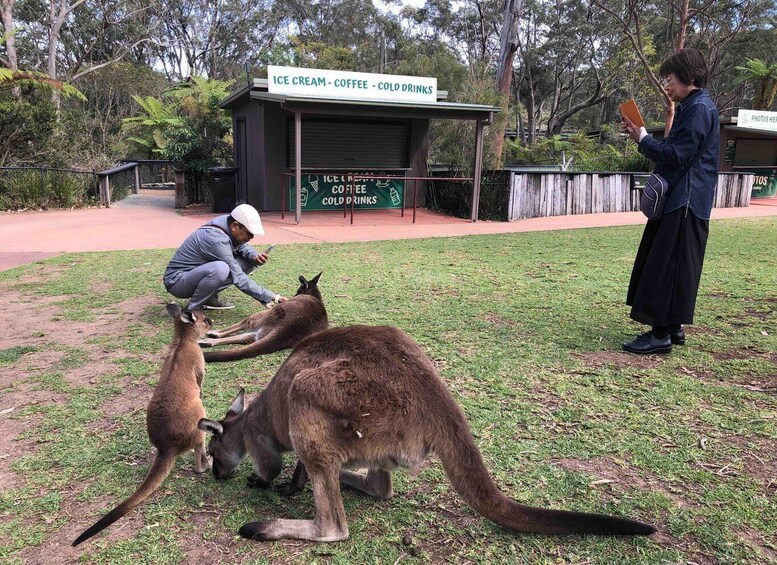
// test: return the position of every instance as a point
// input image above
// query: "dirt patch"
(756, 383)
(758, 314)
(612, 477)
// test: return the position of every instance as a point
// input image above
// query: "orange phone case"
(630, 110)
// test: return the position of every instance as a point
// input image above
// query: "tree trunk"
(508, 45)
(682, 33)
(6, 18)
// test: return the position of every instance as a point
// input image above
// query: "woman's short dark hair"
(688, 65)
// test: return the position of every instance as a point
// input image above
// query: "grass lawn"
(526, 331)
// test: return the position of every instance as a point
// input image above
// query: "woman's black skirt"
(667, 270)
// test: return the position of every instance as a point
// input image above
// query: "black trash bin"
(222, 187)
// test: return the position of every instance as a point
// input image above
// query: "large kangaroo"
(279, 328)
(173, 413)
(365, 396)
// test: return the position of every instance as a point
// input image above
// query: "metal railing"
(352, 178)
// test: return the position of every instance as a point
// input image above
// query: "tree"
(187, 127)
(86, 35)
(508, 45)
(765, 77)
(706, 24)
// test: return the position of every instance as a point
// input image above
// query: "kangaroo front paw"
(290, 489)
(255, 482)
(203, 464)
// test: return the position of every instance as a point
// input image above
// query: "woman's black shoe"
(677, 337)
(647, 344)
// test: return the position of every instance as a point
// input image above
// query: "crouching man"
(216, 256)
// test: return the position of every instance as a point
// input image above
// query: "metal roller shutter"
(755, 153)
(352, 144)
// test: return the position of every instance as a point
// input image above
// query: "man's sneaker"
(213, 303)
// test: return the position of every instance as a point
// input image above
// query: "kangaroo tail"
(267, 344)
(464, 466)
(160, 468)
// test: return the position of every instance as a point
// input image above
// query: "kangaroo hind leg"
(231, 330)
(329, 524)
(240, 339)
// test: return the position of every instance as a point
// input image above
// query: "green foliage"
(150, 128)
(26, 129)
(10, 78)
(186, 126)
(43, 189)
(585, 153)
(764, 75)
(11, 355)
(455, 197)
(318, 55)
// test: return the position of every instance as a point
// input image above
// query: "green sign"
(764, 185)
(333, 192)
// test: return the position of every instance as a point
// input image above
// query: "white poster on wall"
(347, 85)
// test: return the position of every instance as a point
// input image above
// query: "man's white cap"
(249, 217)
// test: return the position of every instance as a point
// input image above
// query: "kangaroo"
(173, 413)
(368, 396)
(281, 327)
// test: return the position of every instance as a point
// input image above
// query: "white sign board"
(321, 83)
(757, 119)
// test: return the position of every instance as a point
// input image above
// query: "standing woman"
(665, 279)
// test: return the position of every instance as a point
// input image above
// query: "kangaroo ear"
(210, 426)
(173, 310)
(315, 279)
(302, 281)
(238, 404)
(188, 317)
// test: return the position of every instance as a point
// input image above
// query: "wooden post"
(105, 194)
(137, 178)
(180, 193)
(478, 169)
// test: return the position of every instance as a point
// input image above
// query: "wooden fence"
(534, 195)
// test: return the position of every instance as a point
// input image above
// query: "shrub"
(613, 154)
(45, 188)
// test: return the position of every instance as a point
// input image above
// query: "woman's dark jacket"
(695, 124)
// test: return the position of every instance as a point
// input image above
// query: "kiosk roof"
(257, 90)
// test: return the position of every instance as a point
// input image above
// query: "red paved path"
(151, 222)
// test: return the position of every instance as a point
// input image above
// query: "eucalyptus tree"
(68, 39)
(567, 63)
(347, 34)
(654, 29)
(216, 38)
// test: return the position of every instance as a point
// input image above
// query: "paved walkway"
(151, 222)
